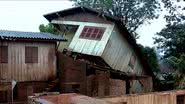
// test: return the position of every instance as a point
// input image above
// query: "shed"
(28, 56)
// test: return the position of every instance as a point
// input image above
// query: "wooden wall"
(69, 36)
(17, 69)
(117, 54)
(84, 17)
(168, 97)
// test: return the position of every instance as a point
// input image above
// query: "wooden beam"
(80, 23)
(129, 75)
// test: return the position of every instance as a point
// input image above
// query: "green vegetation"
(149, 55)
(171, 41)
(48, 28)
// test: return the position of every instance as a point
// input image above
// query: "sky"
(28, 15)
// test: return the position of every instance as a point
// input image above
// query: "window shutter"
(35, 55)
(31, 54)
(27, 55)
(132, 61)
(3, 54)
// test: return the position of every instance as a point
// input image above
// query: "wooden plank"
(167, 97)
(78, 23)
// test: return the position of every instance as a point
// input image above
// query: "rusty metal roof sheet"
(7, 35)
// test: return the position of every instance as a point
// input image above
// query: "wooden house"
(29, 58)
(104, 40)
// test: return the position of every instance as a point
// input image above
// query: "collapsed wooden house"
(29, 58)
(109, 52)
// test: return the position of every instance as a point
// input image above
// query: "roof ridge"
(24, 31)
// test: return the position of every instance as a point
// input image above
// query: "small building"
(29, 58)
(105, 44)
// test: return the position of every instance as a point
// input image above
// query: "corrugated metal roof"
(5, 34)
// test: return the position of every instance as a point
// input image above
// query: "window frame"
(31, 54)
(3, 56)
(92, 32)
(132, 61)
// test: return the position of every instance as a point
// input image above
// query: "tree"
(48, 28)
(150, 56)
(174, 16)
(133, 13)
(171, 40)
(177, 63)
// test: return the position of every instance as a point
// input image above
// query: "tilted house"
(29, 58)
(95, 34)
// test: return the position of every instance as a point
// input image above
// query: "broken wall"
(117, 87)
(72, 75)
(25, 89)
(98, 84)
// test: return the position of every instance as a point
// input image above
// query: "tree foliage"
(171, 40)
(150, 56)
(133, 13)
(48, 28)
(177, 63)
(174, 16)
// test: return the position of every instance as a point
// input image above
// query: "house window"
(3, 54)
(31, 54)
(94, 33)
(132, 61)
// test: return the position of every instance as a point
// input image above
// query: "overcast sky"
(28, 15)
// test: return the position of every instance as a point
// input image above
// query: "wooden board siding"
(17, 69)
(84, 17)
(87, 46)
(69, 36)
(167, 97)
(117, 54)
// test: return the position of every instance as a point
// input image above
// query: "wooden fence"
(167, 97)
